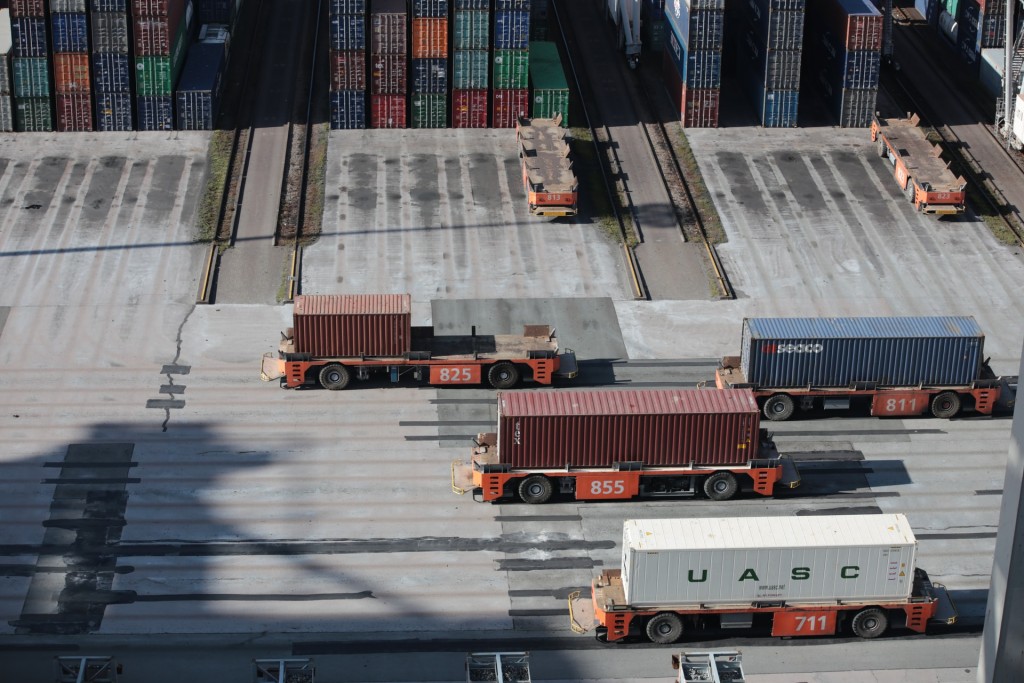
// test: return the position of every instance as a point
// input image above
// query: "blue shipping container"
(779, 108)
(429, 75)
(70, 32)
(699, 69)
(837, 352)
(347, 7)
(348, 109)
(512, 30)
(155, 112)
(198, 94)
(67, 6)
(778, 29)
(472, 4)
(430, 8)
(111, 72)
(110, 6)
(857, 69)
(28, 37)
(348, 32)
(113, 111)
(699, 29)
(501, 5)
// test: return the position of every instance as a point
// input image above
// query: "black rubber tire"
(946, 404)
(503, 375)
(334, 377)
(779, 407)
(535, 489)
(721, 486)
(883, 151)
(869, 623)
(909, 189)
(664, 628)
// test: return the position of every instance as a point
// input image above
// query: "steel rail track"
(640, 289)
(954, 148)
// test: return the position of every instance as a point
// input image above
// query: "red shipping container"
(71, 72)
(348, 70)
(388, 111)
(387, 34)
(74, 112)
(659, 427)
(27, 8)
(855, 32)
(508, 106)
(155, 8)
(429, 38)
(698, 108)
(469, 108)
(346, 325)
(389, 74)
(154, 35)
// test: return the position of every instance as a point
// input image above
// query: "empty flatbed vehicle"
(918, 167)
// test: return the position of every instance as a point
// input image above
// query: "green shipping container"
(470, 69)
(156, 76)
(33, 114)
(430, 110)
(550, 92)
(31, 77)
(472, 30)
(511, 69)
(953, 7)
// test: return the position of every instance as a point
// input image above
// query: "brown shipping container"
(388, 111)
(698, 108)
(348, 70)
(388, 74)
(27, 8)
(346, 325)
(387, 34)
(74, 112)
(469, 108)
(71, 72)
(660, 428)
(429, 38)
(509, 105)
(154, 35)
(855, 32)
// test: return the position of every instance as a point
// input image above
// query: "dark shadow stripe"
(856, 432)
(88, 465)
(442, 437)
(547, 565)
(164, 403)
(988, 492)
(265, 597)
(539, 518)
(92, 481)
(865, 510)
(557, 593)
(955, 536)
(438, 423)
(539, 612)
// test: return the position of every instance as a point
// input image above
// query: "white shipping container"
(740, 560)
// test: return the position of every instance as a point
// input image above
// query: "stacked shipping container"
(72, 83)
(692, 59)
(652, 26)
(389, 63)
(844, 57)
(549, 92)
(539, 21)
(510, 97)
(162, 33)
(197, 97)
(471, 37)
(218, 12)
(347, 56)
(112, 64)
(429, 93)
(6, 101)
(770, 50)
(33, 104)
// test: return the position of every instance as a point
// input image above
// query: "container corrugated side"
(348, 109)
(511, 69)
(112, 72)
(155, 8)
(429, 38)
(697, 108)
(559, 429)
(852, 24)
(68, 6)
(110, 32)
(546, 104)
(699, 69)
(74, 112)
(469, 108)
(388, 33)
(353, 325)
(471, 30)
(430, 75)
(346, 7)
(856, 107)
(348, 70)
(507, 106)
(28, 8)
(511, 4)
(388, 111)
(389, 74)
(348, 32)
(28, 37)
(512, 30)
(698, 29)
(156, 75)
(429, 110)
(109, 5)
(114, 111)
(6, 52)
(470, 70)
(70, 32)
(837, 352)
(430, 8)
(548, 87)
(71, 73)
(775, 29)
(33, 114)
(155, 113)
(740, 560)
(157, 35)
(472, 4)
(6, 113)
(31, 77)
(197, 97)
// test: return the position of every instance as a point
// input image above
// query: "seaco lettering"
(850, 571)
(793, 348)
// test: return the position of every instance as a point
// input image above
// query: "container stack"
(510, 97)
(539, 21)
(71, 80)
(549, 92)
(197, 98)
(347, 57)
(845, 55)
(652, 26)
(692, 60)
(471, 36)
(111, 64)
(389, 63)
(6, 101)
(30, 67)
(429, 93)
(992, 24)
(885, 8)
(162, 32)
(769, 58)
